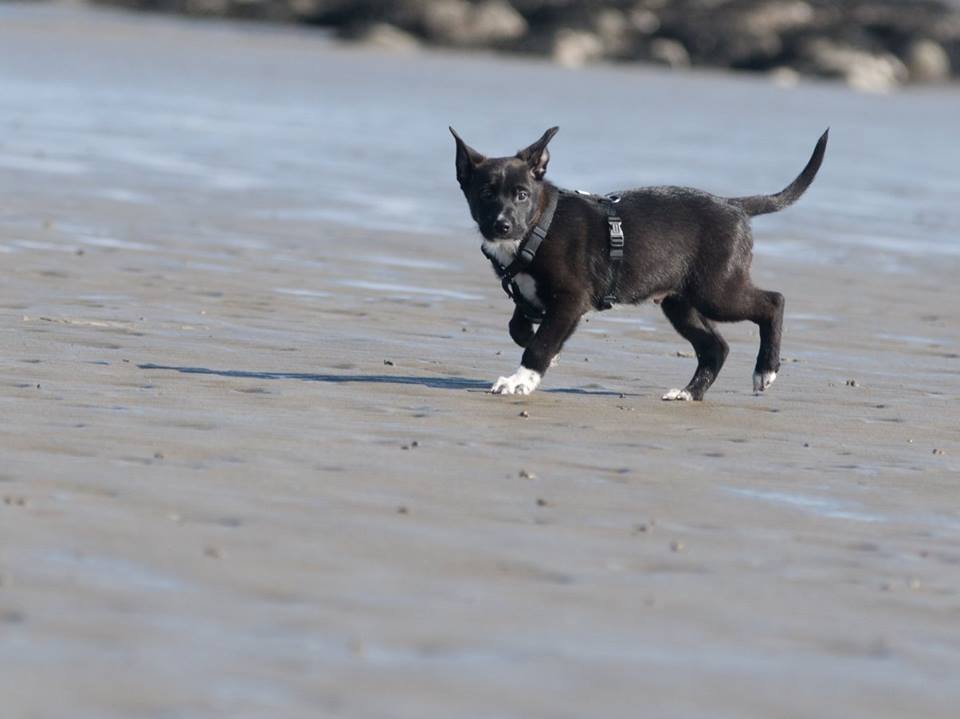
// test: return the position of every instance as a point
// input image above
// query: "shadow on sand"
(432, 382)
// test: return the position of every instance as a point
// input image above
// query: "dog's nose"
(502, 227)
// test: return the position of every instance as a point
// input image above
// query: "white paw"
(677, 395)
(762, 381)
(523, 381)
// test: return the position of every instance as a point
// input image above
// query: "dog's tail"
(764, 204)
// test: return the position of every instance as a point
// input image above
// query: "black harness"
(528, 247)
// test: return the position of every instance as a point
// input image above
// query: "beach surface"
(249, 466)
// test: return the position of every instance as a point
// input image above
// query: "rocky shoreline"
(871, 45)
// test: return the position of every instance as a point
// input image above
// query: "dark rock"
(872, 45)
(860, 69)
(462, 23)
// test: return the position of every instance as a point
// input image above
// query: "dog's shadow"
(449, 383)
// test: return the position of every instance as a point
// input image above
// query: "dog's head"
(505, 194)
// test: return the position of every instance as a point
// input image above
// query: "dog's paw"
(677, 395)
(523, 381)
(763, 380)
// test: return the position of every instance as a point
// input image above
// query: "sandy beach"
(248, 463)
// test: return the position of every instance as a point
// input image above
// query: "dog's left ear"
(537, 156)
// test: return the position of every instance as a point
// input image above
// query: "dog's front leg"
(521, 329)
(558, 324)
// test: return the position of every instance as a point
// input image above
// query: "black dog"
(561, 254)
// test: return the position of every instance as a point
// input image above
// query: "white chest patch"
(528, 288)
(505, 252)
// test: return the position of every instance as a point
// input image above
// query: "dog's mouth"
(496, 237)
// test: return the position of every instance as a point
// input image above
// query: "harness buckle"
(616, 237)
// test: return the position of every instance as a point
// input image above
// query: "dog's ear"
(467, 159)
(537, 156)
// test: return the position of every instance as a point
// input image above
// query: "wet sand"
(248, 465)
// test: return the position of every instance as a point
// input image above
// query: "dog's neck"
(503, 252)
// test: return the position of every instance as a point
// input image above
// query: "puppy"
(684, 248)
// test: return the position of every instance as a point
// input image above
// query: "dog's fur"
(686, 248)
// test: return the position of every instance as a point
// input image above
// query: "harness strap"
(615, 248)
(531, 243)
(526, 252)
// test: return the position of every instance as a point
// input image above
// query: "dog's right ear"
(467, 159)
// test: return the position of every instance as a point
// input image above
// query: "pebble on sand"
(676, 546)
(524, 474)
(388, 362)
(524, 413)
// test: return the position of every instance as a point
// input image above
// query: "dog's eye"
(522, 195)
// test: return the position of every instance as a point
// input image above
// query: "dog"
(686, 249)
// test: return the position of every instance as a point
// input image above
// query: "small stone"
(676, 546)
(405, 446)
(212, 552)
(784, 76)
(524, 414)
(388, 363)
(402, 510)
(575, 48)
(852, 383)
(384, 36)
(806, 444)
(643, 528)
(541, 502)
(158, 455)
(524, 474)
(927, 61)
(668, 52)
(939, 452)
(414, 443)
(80, 251)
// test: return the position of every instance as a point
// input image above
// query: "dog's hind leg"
(740, 300)
(710, 347)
